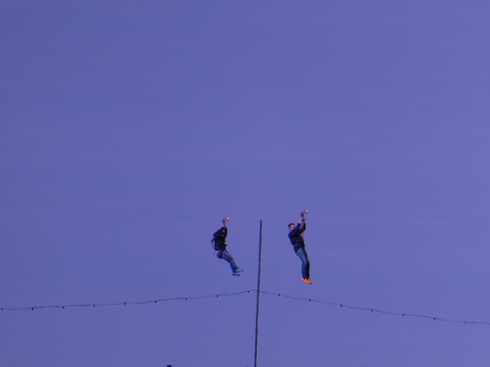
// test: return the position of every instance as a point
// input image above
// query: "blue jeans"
(305, 262)
(225, 255)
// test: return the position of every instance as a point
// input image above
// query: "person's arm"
(224, 228)
(302, 221)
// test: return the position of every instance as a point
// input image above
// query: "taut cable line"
(327, 224)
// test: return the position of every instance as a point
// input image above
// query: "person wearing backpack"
(296, 237)
(219, 245)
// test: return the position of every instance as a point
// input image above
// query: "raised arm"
(224, 228)
(302, 221)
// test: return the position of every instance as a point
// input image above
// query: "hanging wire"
(375, 310)
(126, 303)
(278, 295)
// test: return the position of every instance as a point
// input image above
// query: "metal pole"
(258, 298)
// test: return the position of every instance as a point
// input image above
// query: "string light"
(125, 303)
(279, 295)
(374, 310)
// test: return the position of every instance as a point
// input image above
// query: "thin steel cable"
(319, 214)
(121, 198)
(372, 226)
(109, 210)
(382, 226)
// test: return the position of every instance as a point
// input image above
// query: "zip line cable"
(381, 226)
(123, 198)
(239, 207)
(222, 295)
(106, 210)
(340, 225)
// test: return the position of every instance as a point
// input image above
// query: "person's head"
(291, 226)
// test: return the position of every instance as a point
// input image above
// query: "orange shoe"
(307, 280)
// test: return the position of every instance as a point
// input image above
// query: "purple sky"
(129, 129)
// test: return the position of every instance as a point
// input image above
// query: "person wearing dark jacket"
(219, 243)
(298, 242)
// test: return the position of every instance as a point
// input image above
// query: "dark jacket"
(219, 238)
(296, 236)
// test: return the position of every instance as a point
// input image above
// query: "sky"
(130, 129)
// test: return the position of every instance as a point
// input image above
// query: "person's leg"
(305, 263)
(225, 255)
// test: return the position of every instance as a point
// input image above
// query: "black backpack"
(213, 240)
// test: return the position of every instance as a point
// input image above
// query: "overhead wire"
(375, 310)
(235, 294)
(123, 211)
(384, 226)
(156, 201)
(321, 214)
(328, 224)
(125, 303)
